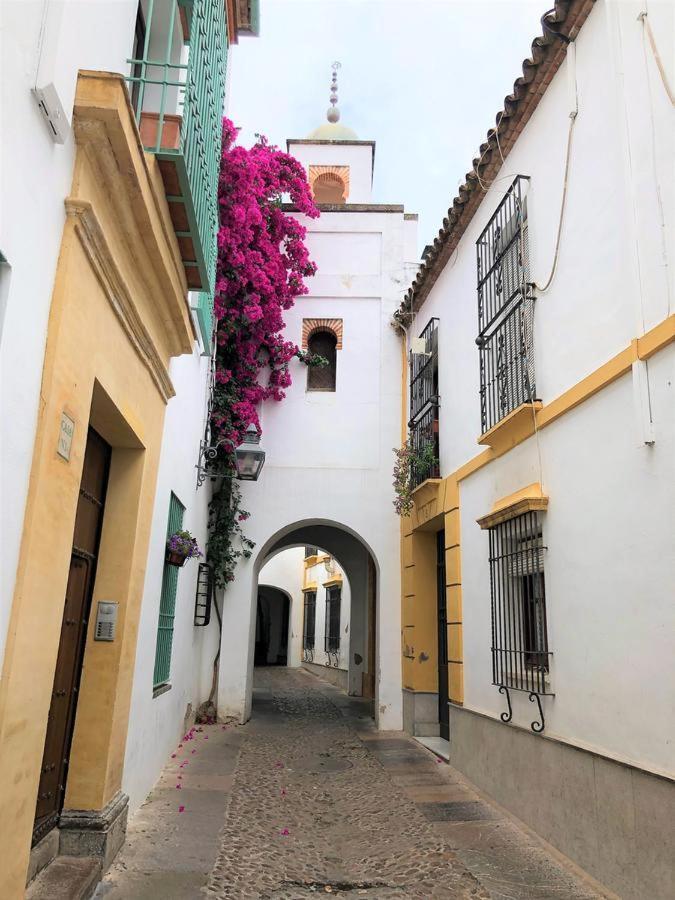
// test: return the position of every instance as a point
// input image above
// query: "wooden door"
(443, 711)
(76, 609)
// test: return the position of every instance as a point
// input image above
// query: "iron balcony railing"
(177, 84)
(505, 309)
(424, 406)
(424, 442)
(506, 365)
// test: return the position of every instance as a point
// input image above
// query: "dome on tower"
(332, 131)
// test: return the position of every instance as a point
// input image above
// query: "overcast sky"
(423, 78)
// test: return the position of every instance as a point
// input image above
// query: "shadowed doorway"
(271, 629)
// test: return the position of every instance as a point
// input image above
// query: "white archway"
(361, 566)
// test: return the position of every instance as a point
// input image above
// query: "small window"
(311, 551)
(520, 654)
(329, 188)
(322, 378)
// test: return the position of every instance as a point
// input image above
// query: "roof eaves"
(559, 25)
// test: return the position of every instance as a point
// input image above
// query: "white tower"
(328, 473)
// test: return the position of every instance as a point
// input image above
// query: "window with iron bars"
(520, 654)
(332, 624)
(309, 625)
(505, 310)
(424, 406)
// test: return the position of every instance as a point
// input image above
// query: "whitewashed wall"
(610, 564)
(35, 179)
(156, 723)
(284, 571)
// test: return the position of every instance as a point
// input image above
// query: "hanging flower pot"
(181, 546)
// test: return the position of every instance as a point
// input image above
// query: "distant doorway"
(61, 721)
(271, 630)
(443, 711)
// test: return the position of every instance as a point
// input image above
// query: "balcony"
(177, 86)
(424, 405)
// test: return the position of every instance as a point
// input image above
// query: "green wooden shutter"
(167, 603)
(204, 311)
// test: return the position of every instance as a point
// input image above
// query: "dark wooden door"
(76, 609)
(443, 711)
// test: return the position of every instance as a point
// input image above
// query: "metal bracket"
(537, 727)
(506, 716)
(207, 454)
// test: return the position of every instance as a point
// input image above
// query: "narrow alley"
(309, 798)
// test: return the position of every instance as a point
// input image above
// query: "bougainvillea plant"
(262, 261)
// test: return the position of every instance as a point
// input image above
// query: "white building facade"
(550, 380)
(329, 444)
(105, 286)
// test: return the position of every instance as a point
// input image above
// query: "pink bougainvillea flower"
(193, 751)
(181, 808)
(261, 266)
(173, 756)
(284, 831)
(179, 786)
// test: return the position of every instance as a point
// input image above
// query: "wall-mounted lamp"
(249, 458)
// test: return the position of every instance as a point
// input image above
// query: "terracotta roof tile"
(547, 54)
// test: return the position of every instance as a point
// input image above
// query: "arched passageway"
(360, 647)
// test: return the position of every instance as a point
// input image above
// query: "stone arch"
(310, 327)
(329, 184)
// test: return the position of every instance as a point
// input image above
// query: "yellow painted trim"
(427, 491)
(509, 431)
(527, 499)
(335, 580)
(310, 586)
(437, 503)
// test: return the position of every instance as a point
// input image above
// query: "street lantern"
(249, 457)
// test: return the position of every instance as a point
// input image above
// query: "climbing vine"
(262, 261)
(407, 459)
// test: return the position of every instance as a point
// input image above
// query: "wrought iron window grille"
(505, 309)
(520, 652)
(331, 644)
(204, 595)
(309, 626)
(424, 406)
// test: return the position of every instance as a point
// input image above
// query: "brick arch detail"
(311, 326)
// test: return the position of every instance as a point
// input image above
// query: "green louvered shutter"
(167, 603)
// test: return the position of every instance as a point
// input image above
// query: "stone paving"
(308, 798)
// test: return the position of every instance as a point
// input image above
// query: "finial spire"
(333, 114)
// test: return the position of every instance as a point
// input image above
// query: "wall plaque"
(66, 432)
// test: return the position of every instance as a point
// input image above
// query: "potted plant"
(181, 546)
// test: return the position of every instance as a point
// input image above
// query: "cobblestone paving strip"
(324, 804)
(312, 811)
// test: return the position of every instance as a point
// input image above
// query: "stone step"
(66, 878)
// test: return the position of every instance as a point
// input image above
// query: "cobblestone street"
(320, 802)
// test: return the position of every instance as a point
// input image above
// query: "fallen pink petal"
(284, 831)
(181, 809)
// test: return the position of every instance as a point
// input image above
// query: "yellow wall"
(118, 314)
(437, 505)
